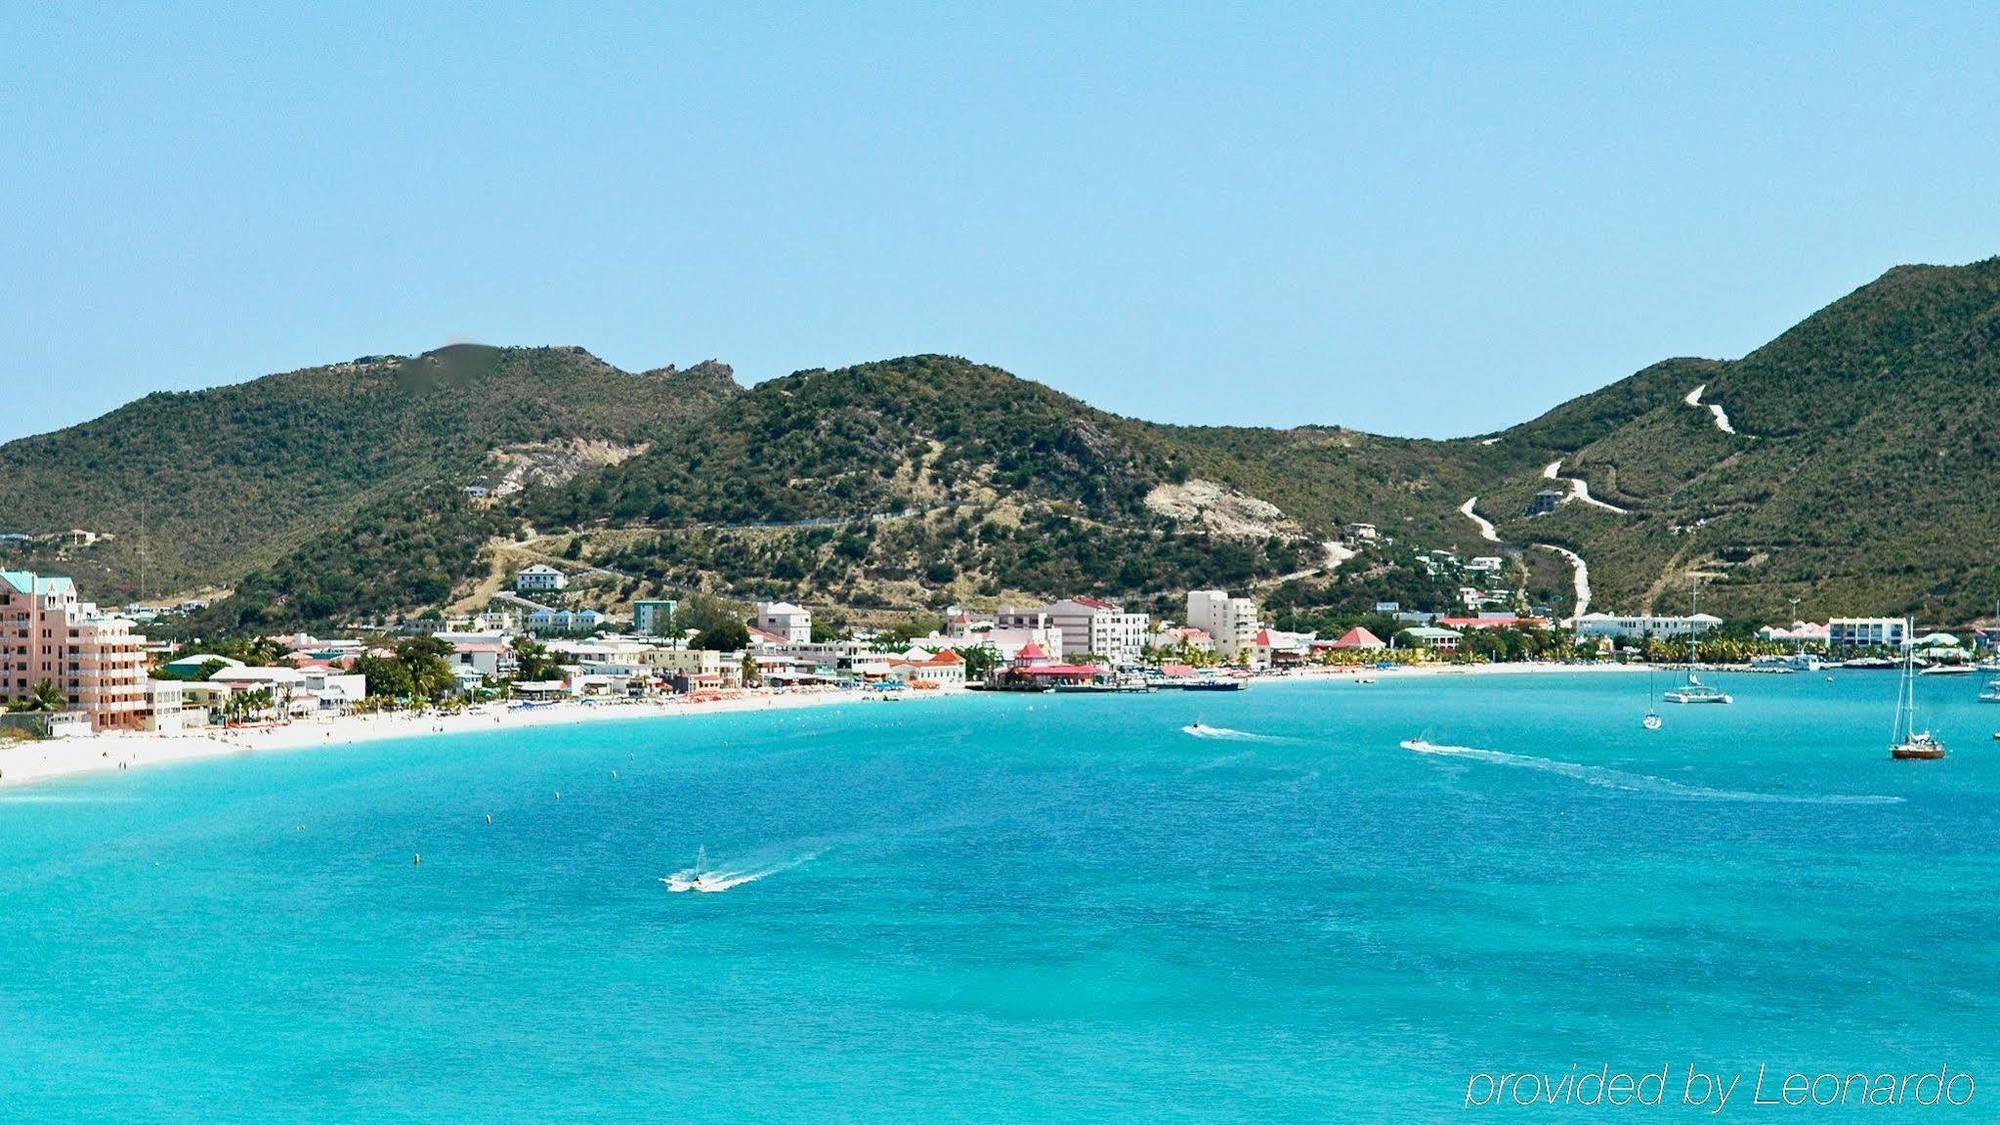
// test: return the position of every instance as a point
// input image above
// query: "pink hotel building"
(94, 658)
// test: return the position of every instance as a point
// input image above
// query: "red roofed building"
(1275, 648)
(945, 668)
(1358, 638)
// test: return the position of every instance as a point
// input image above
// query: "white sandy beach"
(26, 762)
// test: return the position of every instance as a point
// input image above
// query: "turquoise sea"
(1005, 908)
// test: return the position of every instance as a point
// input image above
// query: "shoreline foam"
(31, 762)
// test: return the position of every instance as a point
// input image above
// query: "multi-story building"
(1867, 632)
(48, 634)
(1092, 626)
(785, 621)
(1083, 626)
(1636, 626)
(556, 621)
(1231, 623)
(656, 618)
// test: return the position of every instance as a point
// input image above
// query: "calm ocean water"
(1008, 907)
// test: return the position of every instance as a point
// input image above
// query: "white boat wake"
(715, 881)
(1606, 778)
(1203, 730)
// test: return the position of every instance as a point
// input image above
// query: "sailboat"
(1990, 691)
(1694, 691)
(1652, 719)
(1911, 744)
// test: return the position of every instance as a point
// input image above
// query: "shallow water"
(1008, 907)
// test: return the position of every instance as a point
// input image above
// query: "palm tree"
(46, 697)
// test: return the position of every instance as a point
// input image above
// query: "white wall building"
(540, 577)
(1870, 632)
(1230, 622)
(1090, 626)
(785, 621)
(1633, 627)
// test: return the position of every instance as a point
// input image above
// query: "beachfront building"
(1005, 643)
(942, 669)
(789, 623)
(1799, 632)
(1432, 638)
(1493, 621)
(1633, 627)
(654, 618)
(489, 656)
(297, 692)
(191, 666)
(48, 634)
(1176, 639)
(1867, 632)
(1357, 639)
(540, 578)
(1275, 648)
(1231, 623)
(1092, 627)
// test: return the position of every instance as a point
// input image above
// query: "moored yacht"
(1911, 744)
(1694, 691)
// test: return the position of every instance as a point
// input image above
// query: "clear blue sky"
(1425, 222)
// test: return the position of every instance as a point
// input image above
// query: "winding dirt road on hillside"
(1721, 416)
(1486, 531)
(1579, 489)
(1579, 579)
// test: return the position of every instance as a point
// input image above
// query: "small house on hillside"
(541, 577)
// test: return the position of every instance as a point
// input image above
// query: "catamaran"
(1694, 691)
(1911, 744)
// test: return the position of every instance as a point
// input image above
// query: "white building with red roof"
(943, 669)
(1273, 647)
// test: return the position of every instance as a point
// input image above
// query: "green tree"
(45, 698)
(724, 636)
(980, 661)
(427, 660)
(388, 678)
(533, 662)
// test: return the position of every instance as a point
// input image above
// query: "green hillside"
(199, 488)
(1859, 479)
(911, 482)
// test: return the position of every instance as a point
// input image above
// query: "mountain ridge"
(909, 480)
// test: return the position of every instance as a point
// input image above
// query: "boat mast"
(1906, 690)
(1694, 627)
